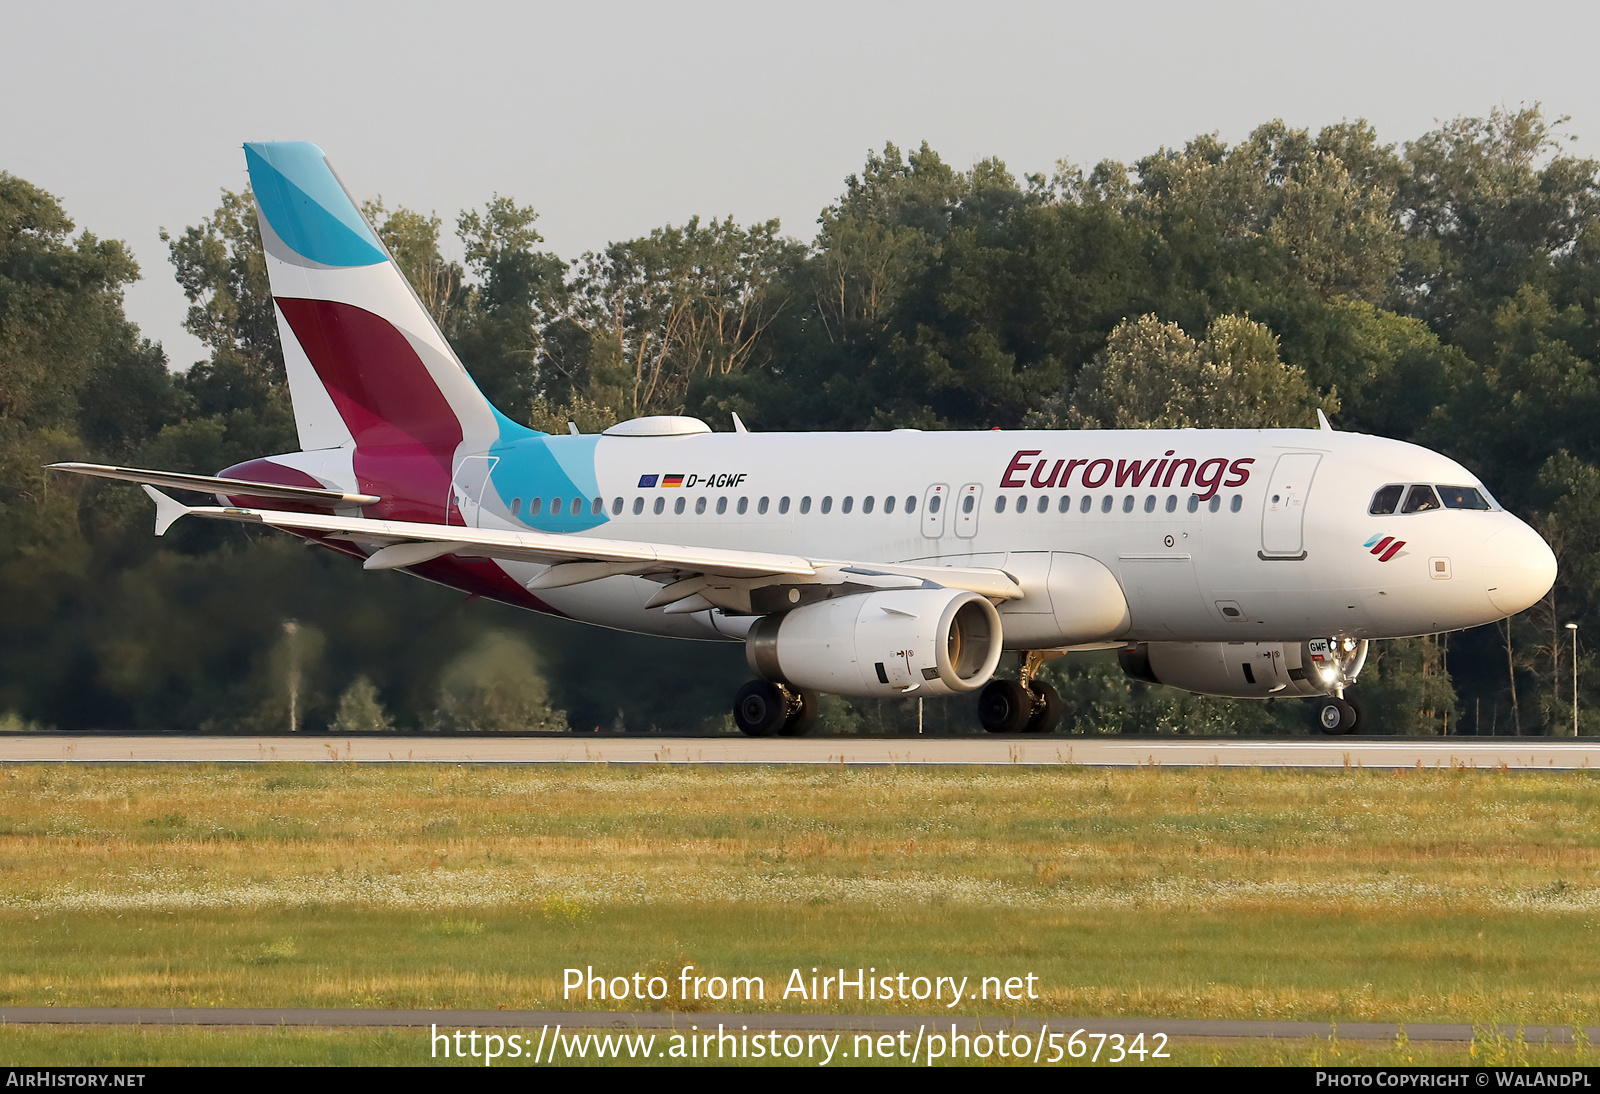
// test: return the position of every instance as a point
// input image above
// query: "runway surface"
(657, 1020)
(1379, 752)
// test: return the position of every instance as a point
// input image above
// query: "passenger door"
(1284, 508)
(468, 486)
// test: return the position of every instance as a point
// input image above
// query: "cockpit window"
(1420, 499)
(1385, 500)
(1463, 497)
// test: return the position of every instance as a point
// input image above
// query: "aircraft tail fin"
(367, 364)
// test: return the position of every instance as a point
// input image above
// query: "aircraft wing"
(701, 577)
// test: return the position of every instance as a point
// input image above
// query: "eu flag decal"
(646, 481)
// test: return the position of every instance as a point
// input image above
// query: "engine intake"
(1247, 670)
(934, 641)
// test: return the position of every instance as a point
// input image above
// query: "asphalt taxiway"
(1501, 753)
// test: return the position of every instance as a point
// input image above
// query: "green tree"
(518, 291)
(1152, 375)
(496, 686)
(360, 710)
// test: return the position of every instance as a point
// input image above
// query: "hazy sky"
(612, 119)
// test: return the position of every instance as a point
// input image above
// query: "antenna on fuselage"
(572, 427)
(1322, 421)
(738, 423)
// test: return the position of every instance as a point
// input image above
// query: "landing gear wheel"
(1046, 709)
(1337, 716)
(804, 704)
(1004, 706)
(760, 709)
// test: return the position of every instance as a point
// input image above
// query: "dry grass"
(1416, 896)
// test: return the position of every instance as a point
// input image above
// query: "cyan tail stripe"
(549, 467)
(307, 207)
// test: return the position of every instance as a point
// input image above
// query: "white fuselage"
(1271, 539)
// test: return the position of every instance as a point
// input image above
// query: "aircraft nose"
(1518, 567)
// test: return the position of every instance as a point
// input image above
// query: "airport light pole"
(291, 627)
(1573, 627)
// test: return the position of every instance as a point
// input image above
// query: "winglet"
(168, 509)
(1322, 421)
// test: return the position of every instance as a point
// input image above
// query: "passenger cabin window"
(1214, 504)
(933, 504)
(805, 504)
(783, 505)
(888, 504)
(911, 503)
(1083, 506)
(677, 506)
(1194, 503)
(999, 504)
(827, 504)
(761, 507)
(1066, 503)
(966, 504)
(1105, 504)
(699, 505)
(616, 507)
(1455, 497)
(597, 507)
(516, 506)
(638, 506)
(1236, 504)
(661, 504)
(1127, 504)
(1420, 499)
(1150, 504)
(722, 506)
(744, 506)
(866, 504)
(1385, 500)
(555, 507)
(1044, 504)
(847, 505)
(1172, 503)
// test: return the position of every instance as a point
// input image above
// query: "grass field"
(127, 1046)
(1462, 896)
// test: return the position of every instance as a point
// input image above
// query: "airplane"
(1250, 563)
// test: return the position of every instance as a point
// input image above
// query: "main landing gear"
(1336, 716)
(765, 707)
(1020, 706)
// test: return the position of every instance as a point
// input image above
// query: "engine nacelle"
(931, 641)
(1248, 670)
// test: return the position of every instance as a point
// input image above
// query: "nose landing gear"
(1336, 716)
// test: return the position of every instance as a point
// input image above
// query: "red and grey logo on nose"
(1386, 548)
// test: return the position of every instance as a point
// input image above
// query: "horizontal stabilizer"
(210, 484)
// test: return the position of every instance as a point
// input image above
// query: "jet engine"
(929, 641)
(1248, 670)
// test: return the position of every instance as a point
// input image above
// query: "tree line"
(1442, 291)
